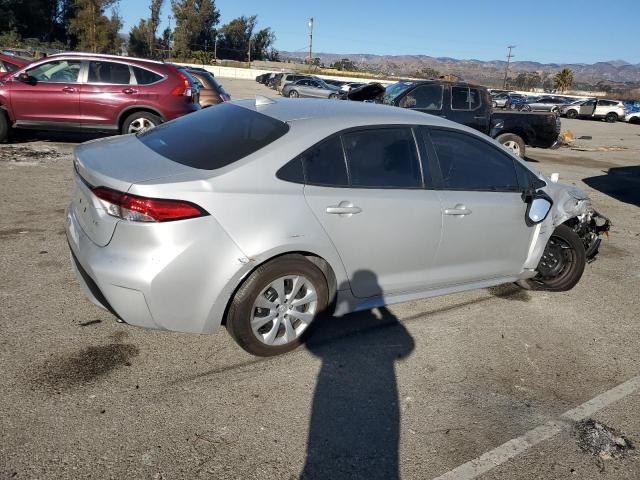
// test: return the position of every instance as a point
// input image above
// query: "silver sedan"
(311, 88)
(262, 215)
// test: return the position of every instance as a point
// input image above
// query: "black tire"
(572, 113)
(333, 96)
(293, 94)
(154, 119)
(512, 137)
(4, 127)
(611, 117)
(554, 276)
(525, 108)
(238, 321)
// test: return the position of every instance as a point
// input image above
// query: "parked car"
(263, 78)
(383, 205)
(288, 78)
(78, 91)
(633, 117)
(470, 105)
(275, 80)
(310, 88)
(501, 100)
(610, 110)
(9, 63)
(543, 104)
(516, 99)
(211, 92)
(335, 83)
(347, 87)
(18, 52)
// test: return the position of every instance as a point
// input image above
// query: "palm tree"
(563, 80)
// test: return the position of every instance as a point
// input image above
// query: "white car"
(632, 117)
(610, 110)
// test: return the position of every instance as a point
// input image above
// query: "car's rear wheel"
(272, 310)
(513, 142)
(562, 263)
(611, 117)
(293, 94)
(572, 113)
(139, 122)
(4, 127)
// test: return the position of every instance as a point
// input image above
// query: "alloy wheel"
(513, 146)
(283, 310)
(140, 125)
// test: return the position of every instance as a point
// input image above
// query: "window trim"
(468, 93)
(440, 179)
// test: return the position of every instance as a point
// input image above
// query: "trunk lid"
(116, 163)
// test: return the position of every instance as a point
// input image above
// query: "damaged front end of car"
(577, 212)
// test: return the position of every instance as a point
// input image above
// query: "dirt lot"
(412, 393)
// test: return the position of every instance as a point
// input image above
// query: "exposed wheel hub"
(553, 260)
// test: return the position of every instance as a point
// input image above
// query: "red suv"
(90, 92)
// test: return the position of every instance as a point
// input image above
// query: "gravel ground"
(410, 392)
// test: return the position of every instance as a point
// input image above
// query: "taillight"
(142, 209)
(184, 89)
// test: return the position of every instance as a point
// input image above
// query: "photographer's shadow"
(354, 430)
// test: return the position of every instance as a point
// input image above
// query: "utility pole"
(215, 48)
(170, 36)
(506, 69)
(249, 52)
(310, 41)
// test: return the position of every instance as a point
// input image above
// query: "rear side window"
(464, 98)
(324, 164)
(468, 163)
(146, 77)
(383, 158)
(109, 72)
(214, 137)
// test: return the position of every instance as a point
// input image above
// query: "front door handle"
(459, 210)
(68, 89)
(343, 208)
(128, 91)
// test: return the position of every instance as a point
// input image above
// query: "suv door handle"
(343, 208)
(479, 117)
(458, 210)
(68, 89)
(129, 91)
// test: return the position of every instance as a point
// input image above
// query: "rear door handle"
(458, 210)
(68, 89)
(128, 91)
(343, 208)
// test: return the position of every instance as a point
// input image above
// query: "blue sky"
(546, 31)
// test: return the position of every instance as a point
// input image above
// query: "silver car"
(262, 215)
(310, 88)
(543, 104)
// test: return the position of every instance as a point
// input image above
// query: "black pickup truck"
(470, 105)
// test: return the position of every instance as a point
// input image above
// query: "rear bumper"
(176, 276)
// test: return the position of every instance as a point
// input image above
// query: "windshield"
(394, 91)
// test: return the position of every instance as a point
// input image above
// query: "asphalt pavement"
(413, 391)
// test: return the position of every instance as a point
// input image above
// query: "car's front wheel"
(562, 263)
(273, 309)
(293, 94)
(525, 108)
(572, 113)
(140, 122)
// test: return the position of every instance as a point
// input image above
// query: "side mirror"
(24, 77)
(537, 209)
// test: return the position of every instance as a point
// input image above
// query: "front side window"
(57, 71)
(468, 163)
(383, 158)
(324, 164)
(109, 72)
(424, 97)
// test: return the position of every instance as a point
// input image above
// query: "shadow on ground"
(621, 183)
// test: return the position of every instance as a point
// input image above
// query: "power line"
(506, 68)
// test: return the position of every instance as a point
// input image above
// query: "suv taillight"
(143, 209)
(184, 89)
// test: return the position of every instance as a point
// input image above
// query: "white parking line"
(499, 455)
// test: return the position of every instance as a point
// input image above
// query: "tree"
(152, 25)
(563, 80)
(95, 31)
(527, 80)
(195, 23)
(237, 35)
(139, 40)
(426, 72)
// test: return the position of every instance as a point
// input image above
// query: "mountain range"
(613, 71)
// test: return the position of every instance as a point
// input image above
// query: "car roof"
(110, 57)
(341, 113)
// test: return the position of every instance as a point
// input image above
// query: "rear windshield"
(214, 137)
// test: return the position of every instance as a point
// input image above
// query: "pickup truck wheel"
(4, 127)
(572, 113)
(611, 117)
(512, 142)
(562, 263)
